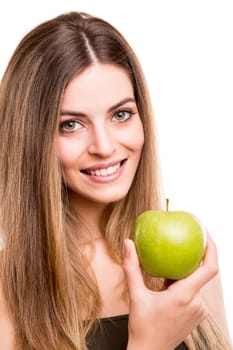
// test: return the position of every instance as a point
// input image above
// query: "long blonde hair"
(47, 283)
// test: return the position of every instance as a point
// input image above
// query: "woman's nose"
(101, 141)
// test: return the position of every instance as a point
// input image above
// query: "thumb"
(132, 269)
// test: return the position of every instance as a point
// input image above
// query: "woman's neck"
(91, 213)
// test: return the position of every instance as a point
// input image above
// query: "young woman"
(77, 166)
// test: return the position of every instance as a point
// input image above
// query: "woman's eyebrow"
(71, 113)
(122, 102)
(80, 114)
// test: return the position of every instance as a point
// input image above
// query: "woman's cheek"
(136, 137)
(69, 151)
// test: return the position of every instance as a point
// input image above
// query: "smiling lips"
(106, 171)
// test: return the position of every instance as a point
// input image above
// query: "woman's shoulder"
(6, 326)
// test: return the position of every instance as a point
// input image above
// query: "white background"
(186, 49)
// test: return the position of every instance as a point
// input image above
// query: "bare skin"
(6, 326)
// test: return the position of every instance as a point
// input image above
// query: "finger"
(132, 269)
(203, 274)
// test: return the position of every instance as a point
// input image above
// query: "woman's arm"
(6, 327)
(213, 295)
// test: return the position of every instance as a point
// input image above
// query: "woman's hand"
(162, 320)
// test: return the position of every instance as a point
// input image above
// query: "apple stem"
(167, 204)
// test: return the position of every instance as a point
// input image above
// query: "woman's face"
(101, 134)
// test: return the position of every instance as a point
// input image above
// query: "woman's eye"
(69, 126)
(122, 116)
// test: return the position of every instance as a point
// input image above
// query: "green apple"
(169, 244)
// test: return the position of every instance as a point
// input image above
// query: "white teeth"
(105, 172)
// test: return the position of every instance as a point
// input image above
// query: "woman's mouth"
(104, 171)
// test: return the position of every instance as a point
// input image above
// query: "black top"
(112, 334)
